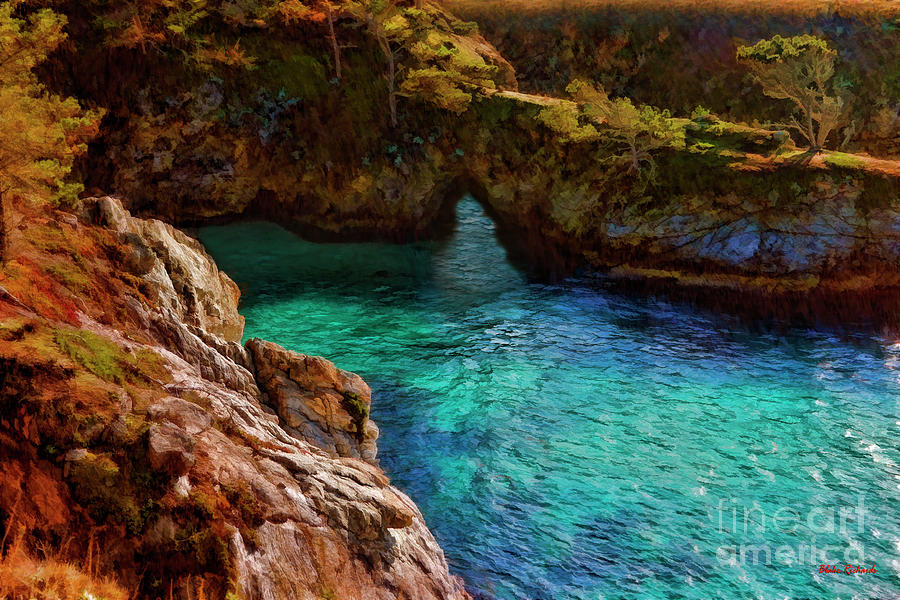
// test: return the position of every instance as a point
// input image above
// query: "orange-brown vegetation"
(805, 8)
(61, 388)
(24, 577)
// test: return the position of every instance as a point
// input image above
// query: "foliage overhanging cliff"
(681, 53)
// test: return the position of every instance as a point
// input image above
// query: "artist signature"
(847, 569)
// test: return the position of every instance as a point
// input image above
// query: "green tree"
(437, 86)
(389, 28)
(800, 69)
(42, 132)
(640, 129)
(447, 72)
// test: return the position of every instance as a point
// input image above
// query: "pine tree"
(42, 133)
(390, 28)
(800, 69)
(639, 130)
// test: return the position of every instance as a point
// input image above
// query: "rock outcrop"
(316, 401)
(184, 277)
(134, 424)
(722, 206)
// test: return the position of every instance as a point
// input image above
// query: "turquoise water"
(567, 443)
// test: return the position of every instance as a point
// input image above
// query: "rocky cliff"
(725, 213)
(140, 438)
(136, 431)
(725, 210)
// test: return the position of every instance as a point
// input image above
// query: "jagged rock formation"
(185, 279)
(317, 401)
(133, 424)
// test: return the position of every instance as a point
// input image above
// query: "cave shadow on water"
(360, 270)
(283, 262)
(532, 258)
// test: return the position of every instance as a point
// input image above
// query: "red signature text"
(847, 569)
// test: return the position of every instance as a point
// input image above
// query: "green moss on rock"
(358, 410)
(106, 359)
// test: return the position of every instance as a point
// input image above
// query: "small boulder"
(169, 449)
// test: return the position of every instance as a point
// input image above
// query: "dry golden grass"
(23, 577)
(772, 7)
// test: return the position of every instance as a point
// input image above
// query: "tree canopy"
(641, 128)
(42, 132)
(800, 69)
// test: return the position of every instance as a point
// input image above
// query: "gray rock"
(169, 449)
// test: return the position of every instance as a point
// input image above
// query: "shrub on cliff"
(800, 69)
(24, 576)
(636, 129)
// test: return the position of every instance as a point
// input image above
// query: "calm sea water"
(566, 443)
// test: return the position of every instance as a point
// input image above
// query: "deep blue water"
(567, 443)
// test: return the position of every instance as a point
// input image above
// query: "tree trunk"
(392, 95)
(811, 134)
(4, 234)
(420, 4)
(334, 44)
(823, 138)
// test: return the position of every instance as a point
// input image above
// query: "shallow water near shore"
(567, 443)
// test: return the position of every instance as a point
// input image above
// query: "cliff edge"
(141, 440)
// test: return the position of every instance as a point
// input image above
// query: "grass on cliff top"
(807, 8)
(844, 160)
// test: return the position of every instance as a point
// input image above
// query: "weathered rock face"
(179, 270)
(163, 452)
(200, 140)
(775, 219)
(708, 210)
(319, 523)
(316, 401)
(735, 212)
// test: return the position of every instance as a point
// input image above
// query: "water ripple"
(565, 443)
